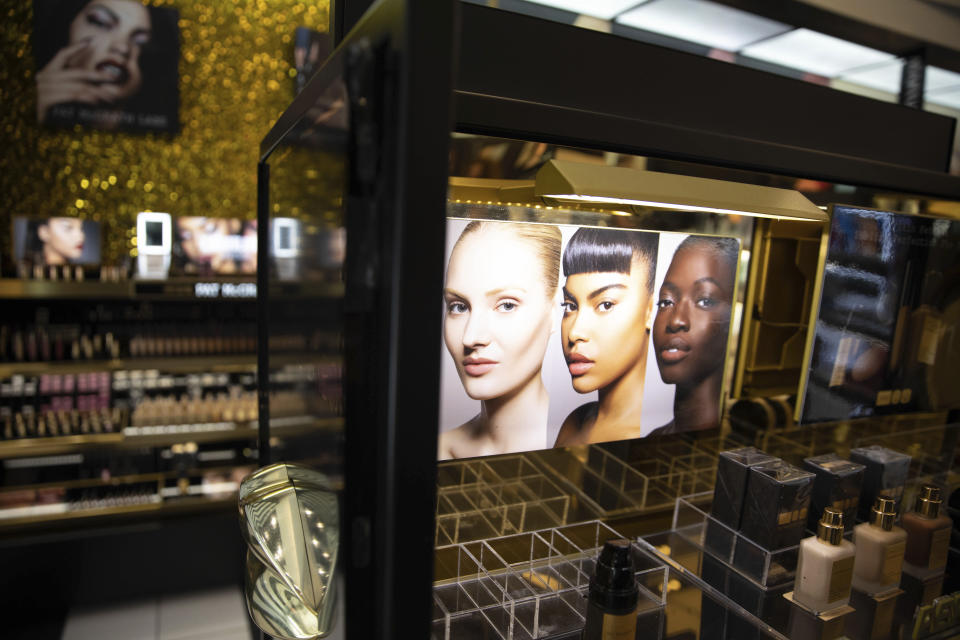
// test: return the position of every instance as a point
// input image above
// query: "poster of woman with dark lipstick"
(558, 335)
(107, 64)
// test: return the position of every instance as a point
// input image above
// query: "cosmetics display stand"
(650, 481)
(809, 625)
(533, 585)
(743, 571)
(125, 399)
(481, 499)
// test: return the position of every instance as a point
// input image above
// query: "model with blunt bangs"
(608, 308)
(691, 328)
(500, 301)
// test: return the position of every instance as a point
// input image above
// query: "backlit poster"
(557, 335)
(57, 240)
(107, 64)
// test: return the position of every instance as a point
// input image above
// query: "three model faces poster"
(556, 335)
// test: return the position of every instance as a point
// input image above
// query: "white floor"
(204, 615)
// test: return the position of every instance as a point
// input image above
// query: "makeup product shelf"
(163, 435)
(160, 494)
(533, 585)
(206, 289)
(215, 363)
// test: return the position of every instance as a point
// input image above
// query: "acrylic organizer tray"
(482, 499)
(609, 486)
(531, 585)
(766, 568)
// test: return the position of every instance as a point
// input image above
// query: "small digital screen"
(154, 231)
(286, 241)
(563, 335)
(56, 241)
(889, 310)
(215, 245)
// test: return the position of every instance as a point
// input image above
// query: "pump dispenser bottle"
(613, 599)
(825, 568)
(928, 532)
(880, 548)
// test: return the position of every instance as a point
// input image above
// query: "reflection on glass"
(290, 522)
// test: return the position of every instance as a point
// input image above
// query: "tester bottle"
(825, 568)
(613, 599)
(928, 532)
(880, 548)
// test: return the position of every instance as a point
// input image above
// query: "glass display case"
(432, 195)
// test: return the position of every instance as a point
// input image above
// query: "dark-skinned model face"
(693, 315)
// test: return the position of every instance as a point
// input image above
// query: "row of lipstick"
(161, 410)
(57, 344)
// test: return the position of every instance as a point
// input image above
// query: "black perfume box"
(886, 473)
(776, 504)
(837, 485)
(733, 468)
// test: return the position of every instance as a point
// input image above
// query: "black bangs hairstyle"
(596, 250)
(727, 249)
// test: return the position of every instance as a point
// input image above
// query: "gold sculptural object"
(290, 522)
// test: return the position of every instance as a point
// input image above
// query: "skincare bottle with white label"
(880, 548)
(825, 568)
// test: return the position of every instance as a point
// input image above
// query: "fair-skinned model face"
(693, 316)
(605, 325)
(498, 320)
(62, 239)
(115, 32)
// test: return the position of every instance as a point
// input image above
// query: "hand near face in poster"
(100, 63)
(691, 327)
(500, 299)
(608, 307)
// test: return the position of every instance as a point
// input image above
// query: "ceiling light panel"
(937, 79)
(884, 77)
(605, 9)
(948, 99)
(815, 52)
(703, 22)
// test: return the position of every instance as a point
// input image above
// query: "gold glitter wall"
(236, 77)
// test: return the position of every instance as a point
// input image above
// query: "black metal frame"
(568, 85)
(398, 67)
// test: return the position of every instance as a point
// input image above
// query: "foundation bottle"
(928, 531)
(880, 548)
(825, 568)
(613, 596)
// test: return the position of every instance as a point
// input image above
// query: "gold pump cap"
(830, 527)
(928, 501)
(884, 512)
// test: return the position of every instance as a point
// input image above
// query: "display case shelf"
(532, 585)
(163, 435)
(205, 289)
(212, 363)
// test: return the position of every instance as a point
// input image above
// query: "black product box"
(713, 615)
(886, 473)
(733, 468)
(767, 604)
(776, 504)
(837, 485)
